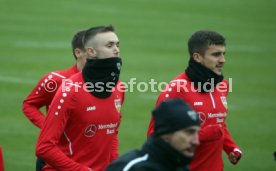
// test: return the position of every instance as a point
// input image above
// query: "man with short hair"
(87, 111)
(43, 93)
(203, 87)
(172, 145)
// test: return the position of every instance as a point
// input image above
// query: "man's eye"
(189, 131)
(216, 54)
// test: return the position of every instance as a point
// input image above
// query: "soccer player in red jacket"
(202, 86)
(81, 126)
(44, 91)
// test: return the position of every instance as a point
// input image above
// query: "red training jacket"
(90, 126)
(212, 108)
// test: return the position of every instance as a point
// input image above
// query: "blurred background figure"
(45, 90)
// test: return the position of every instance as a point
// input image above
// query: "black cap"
(172, 115)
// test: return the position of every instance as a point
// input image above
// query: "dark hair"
(77, 41)
(200, 41)
(90, 33)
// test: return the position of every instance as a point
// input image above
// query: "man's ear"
(91, 52)
(166, 137)
(197, 57)
(77, 52)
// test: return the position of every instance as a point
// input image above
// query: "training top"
(212, 109)
(43, 93)
(89, 125)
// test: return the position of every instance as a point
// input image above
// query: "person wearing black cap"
(171, 147)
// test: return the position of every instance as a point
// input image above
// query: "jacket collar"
(165, 154)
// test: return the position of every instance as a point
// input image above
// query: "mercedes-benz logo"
(202, 117)
(90, 131)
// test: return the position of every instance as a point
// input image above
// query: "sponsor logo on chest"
(110, 128)
(220, 120)
(92, 129)
(217, 115)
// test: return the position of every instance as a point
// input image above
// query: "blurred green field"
(35, 39)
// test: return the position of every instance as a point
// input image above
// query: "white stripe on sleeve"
(135, 161)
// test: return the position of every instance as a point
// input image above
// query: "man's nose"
(195, 140)
(116, 49)
(222, 59)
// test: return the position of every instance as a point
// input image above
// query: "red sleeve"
(169, 92)
(1, 160)
(228, 144)
(51, 132)
(38, 98)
